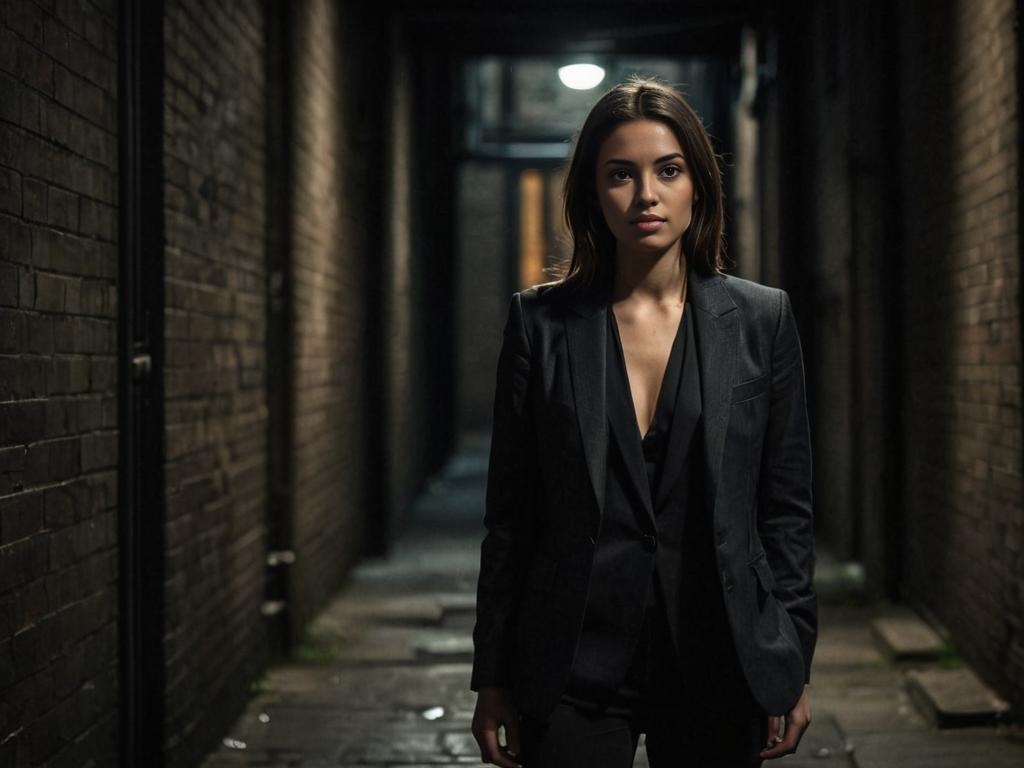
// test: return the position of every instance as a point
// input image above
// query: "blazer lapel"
(586, 336)
(717, 334)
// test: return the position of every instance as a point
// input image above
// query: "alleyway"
(255, 263)
(382, 677)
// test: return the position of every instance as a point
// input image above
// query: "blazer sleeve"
(785, 517)
(512, 490)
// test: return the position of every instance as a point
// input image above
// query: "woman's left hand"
(797, 720)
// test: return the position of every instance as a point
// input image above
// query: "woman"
(648, 559)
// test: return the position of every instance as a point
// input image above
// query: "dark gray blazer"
(546, 481)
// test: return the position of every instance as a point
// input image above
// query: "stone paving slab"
(955, 698)
(907, 637)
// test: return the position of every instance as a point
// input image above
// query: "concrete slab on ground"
(955, 698)
(907, 637)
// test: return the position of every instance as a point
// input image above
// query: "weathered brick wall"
(962, 326)
(58, 404)
(330, 218)
(413, 272)
(398, 280)
(215, 367)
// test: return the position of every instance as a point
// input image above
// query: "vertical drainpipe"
(280, 324)
(141, 514)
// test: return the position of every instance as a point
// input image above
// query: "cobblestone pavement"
(381, 679)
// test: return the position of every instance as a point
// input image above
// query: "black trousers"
(577, 738)
(693, 706)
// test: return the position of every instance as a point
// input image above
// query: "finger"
(774, 724)
(794, 732)
(512, 736)
(492, 753)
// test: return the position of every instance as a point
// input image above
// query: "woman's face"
(644, 187)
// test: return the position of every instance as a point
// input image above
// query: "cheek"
(689, 205)
(609, 206)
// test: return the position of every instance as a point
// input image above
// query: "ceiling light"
(581, 77)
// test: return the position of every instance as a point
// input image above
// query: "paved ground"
(382, 677)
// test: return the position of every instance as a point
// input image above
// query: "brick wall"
(331, 219)
(215, 367)
(416, 283)
(962, 328)
(58, 405)
(399, 284)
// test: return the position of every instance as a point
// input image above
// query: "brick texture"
(416, 291)
(58, 384)
(329, 220)
(961, 309)
(215, 378)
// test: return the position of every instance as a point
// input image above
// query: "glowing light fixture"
(581, 77)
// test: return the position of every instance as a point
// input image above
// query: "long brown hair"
(593, 246)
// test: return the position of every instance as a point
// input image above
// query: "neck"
(660, 278)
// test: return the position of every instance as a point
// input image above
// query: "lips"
(648, 223)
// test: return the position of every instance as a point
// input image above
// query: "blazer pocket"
(763, 571)
(748, 390)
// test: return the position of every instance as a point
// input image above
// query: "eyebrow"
(664, 158)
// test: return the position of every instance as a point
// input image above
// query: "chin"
(655, 245)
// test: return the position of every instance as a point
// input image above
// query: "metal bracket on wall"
(272, 608)
(142, 367)
(280, 557)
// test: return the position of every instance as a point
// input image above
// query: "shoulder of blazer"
(529, 304)
(760, 305)
(544, 294)
(542, 303)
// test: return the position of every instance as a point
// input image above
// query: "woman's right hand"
(494, 708)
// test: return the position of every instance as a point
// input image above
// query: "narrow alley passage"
(382, 677)
(256, 259)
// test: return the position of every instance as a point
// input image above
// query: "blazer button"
(727, 582)
(650, 543)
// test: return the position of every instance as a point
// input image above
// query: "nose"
(646, 194)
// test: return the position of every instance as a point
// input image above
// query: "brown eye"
(671, 171)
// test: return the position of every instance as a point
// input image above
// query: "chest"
(646, 347)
